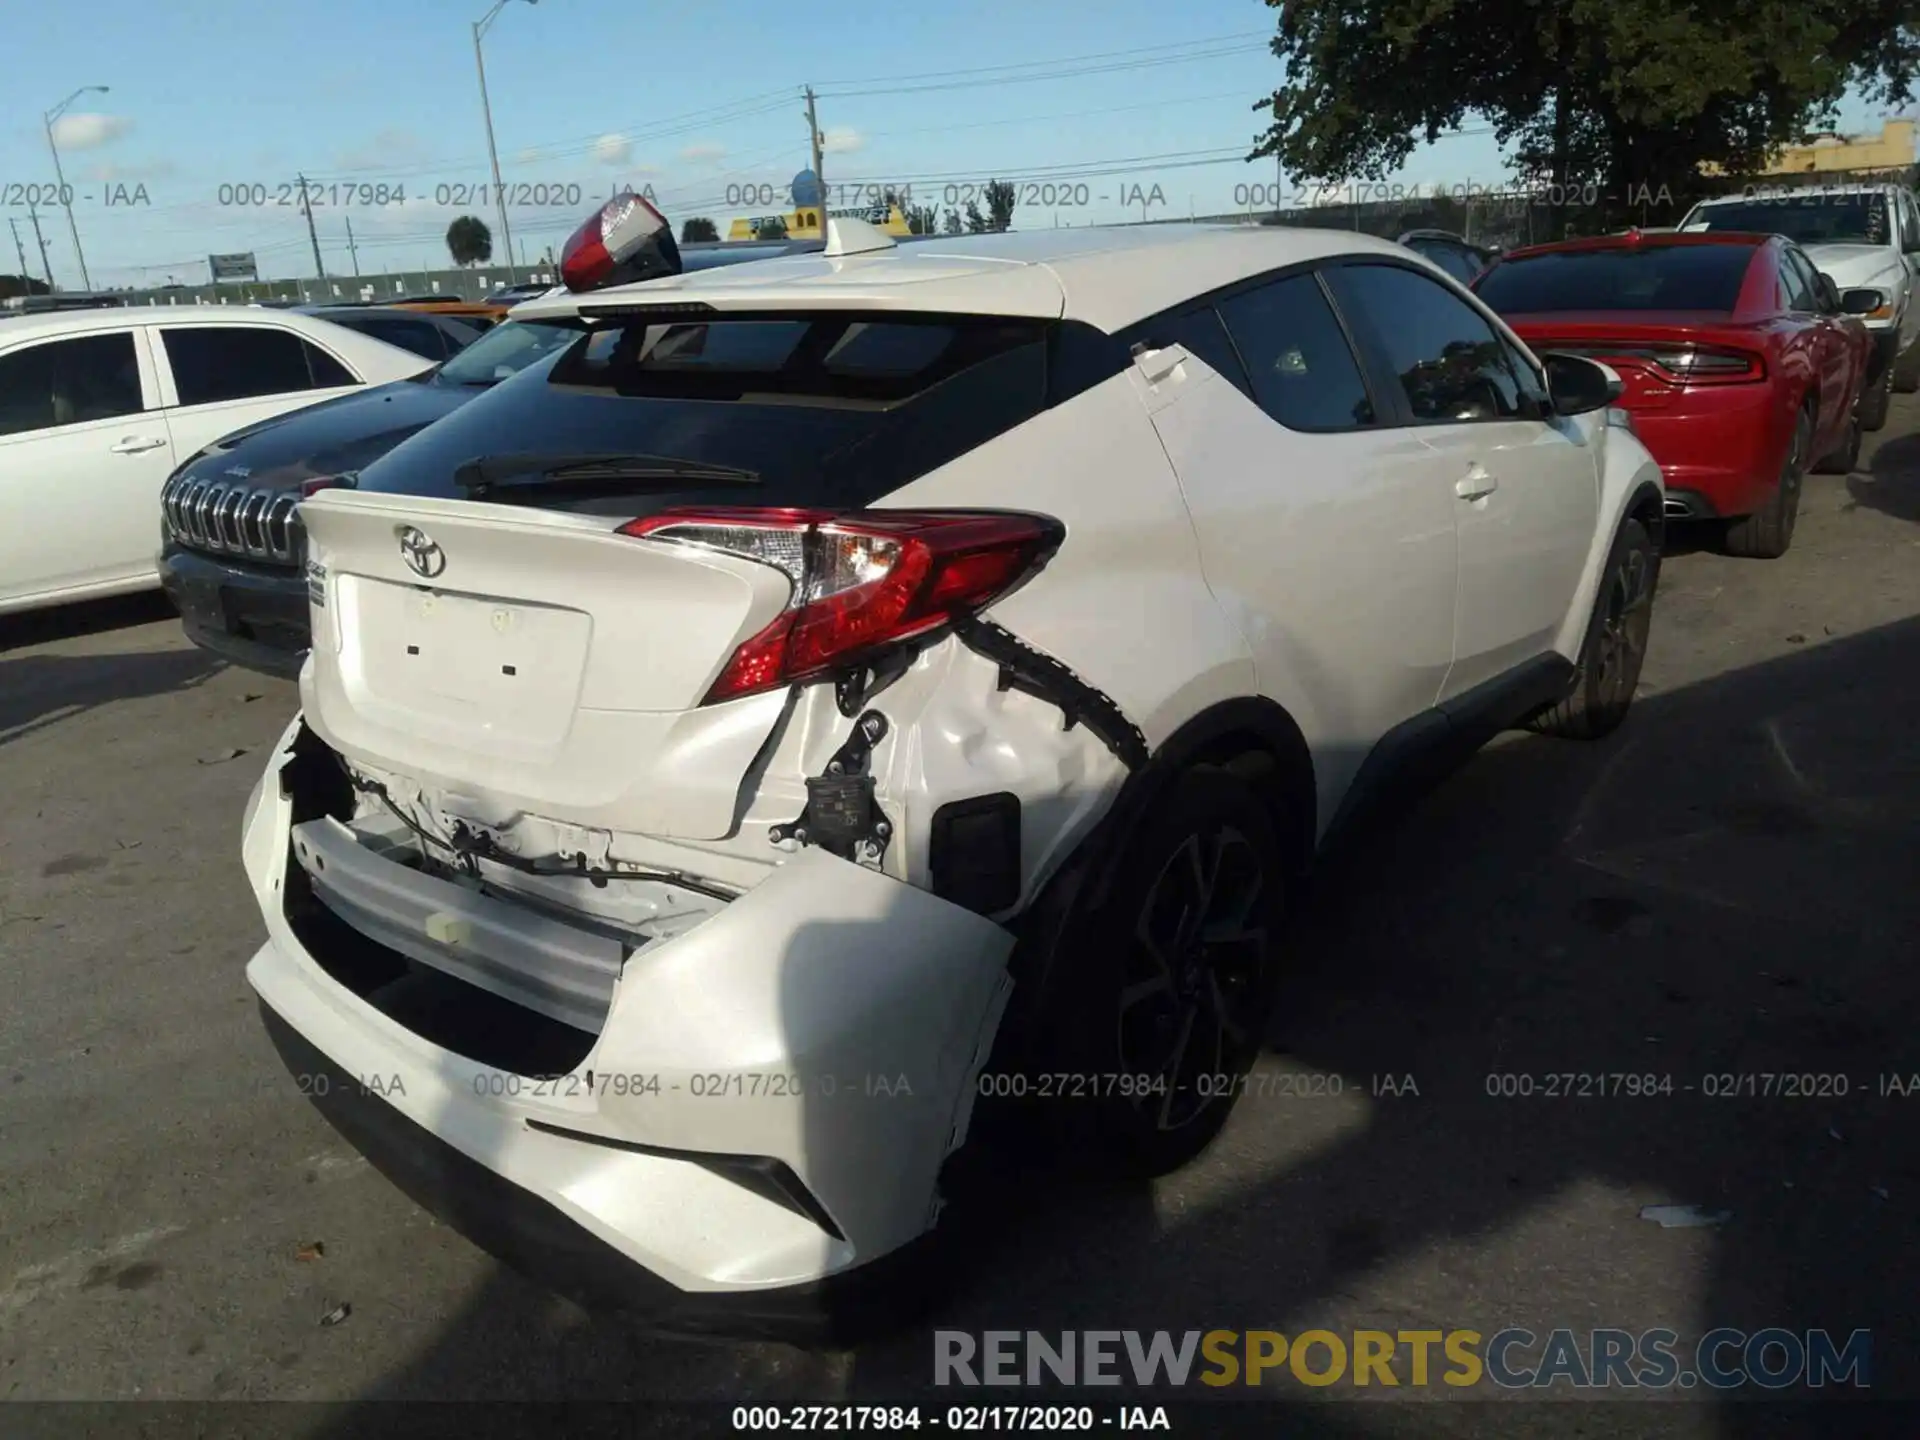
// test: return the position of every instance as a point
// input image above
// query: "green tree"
(12, 285)
(469, 241)
(774, 227)
(698, 227)
(952, 225)
(1612, 98)
(999, 197)
(977, 224)
(921, 220)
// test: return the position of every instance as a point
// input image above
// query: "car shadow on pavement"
(84, 617)
(1890, 482)
(1723, 889)
(41, 690)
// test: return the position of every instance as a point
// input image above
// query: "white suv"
(846, 685)
(98, 407)
(1861, 237)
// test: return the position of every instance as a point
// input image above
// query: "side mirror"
(1829, 293)
(1862, 301)
(1577, 384)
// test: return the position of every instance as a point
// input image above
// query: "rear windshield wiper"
(614, 471)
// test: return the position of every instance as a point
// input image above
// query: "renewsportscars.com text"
(1512, 1358)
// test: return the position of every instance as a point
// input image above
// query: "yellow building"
(804, 222)
(1891, 149)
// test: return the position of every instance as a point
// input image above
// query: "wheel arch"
(1250, 734)
(1648, 505)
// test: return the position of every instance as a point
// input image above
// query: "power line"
(1138, 50)
(1064, 73)
(712, 118)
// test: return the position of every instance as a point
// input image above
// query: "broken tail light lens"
(862, 582)
(625, 240)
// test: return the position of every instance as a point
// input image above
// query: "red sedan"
(1742, 363)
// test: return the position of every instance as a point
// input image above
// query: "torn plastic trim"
(469, 844)
(771, 1179)
(1031, 672)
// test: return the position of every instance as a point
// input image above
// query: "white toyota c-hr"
(841, 687)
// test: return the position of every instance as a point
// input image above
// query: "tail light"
(625, 240)
(1687, 364)
(1698, 363)
(862, 582)
(310, 488)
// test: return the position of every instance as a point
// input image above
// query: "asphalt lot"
(1728, 885)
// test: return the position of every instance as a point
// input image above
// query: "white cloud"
(531, 155)
(841, 140)
(89, 132)
(704, 152)
(613, 150)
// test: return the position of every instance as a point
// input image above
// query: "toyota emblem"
(421, 552)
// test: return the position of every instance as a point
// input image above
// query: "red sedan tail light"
(862, 582)
(1703, 364)
(1684, 364)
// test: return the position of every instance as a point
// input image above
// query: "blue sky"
(216, 107)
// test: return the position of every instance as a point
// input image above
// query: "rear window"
(826, 409)
(1654, 277)
(1810, 218)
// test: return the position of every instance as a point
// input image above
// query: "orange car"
(475, 312)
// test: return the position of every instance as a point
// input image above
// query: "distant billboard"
(233, 267)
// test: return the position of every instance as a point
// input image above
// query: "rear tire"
(1906, 370)
(1768, 531)
(1608, 671)
(1169, 985)
(1875, 400)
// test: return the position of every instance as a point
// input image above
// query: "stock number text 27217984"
(291, 194)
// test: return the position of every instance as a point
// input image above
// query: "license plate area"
(509, 667)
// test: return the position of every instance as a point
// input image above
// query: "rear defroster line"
(1027, 670)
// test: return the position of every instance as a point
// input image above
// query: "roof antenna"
(855, 237)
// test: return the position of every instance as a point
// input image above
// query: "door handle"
(134, 444)
(1476, 484)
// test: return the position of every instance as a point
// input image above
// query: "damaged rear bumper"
(752, 1137)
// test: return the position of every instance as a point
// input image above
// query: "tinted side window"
(418, 336)
(1797, 272)
(1303, 371)
(216, 362)
(1202, 334)
(326, 371)
(1451, 258)
(1448, 361)
(1909, 224)
(69, 382)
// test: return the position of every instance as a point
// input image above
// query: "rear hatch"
(489, 623)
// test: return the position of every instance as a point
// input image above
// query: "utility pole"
(816, 139)
(20, 250)
(486, 111)
(319, 267)
(352, 249)
(60, 177)
(46, 267)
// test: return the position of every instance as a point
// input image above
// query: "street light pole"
(486, 110)
(66, 197)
